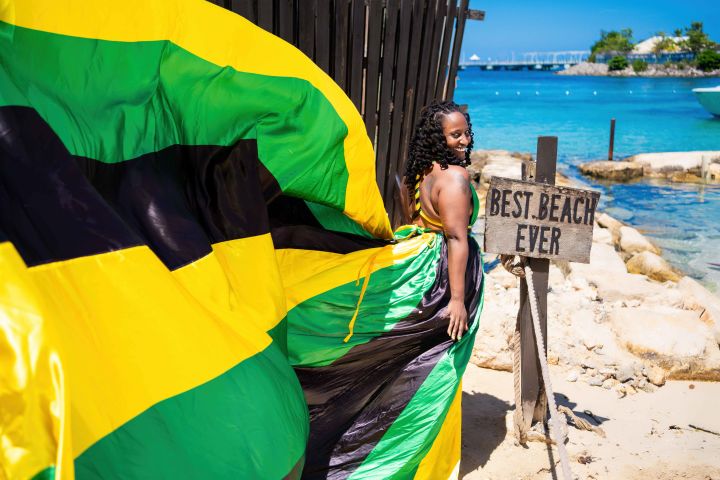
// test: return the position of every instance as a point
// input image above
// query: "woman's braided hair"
(428, 143)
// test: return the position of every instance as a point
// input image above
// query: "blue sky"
(531, 26)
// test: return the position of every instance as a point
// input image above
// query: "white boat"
(709, 98)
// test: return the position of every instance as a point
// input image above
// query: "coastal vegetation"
(686, 47)
(617, 63)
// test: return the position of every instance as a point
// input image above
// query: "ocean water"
(510, 110)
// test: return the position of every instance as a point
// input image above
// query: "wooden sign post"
(532, 218)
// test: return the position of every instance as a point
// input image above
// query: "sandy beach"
(647, 435)
(629, 341)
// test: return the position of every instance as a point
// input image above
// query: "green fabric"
(227, 417)
(45, 474)
(476, 206)
(115, 101)
(332, 219)
(399, 453)
(400, 286)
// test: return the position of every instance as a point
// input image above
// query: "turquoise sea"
(510, 110)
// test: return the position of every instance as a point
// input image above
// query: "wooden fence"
(390, 56)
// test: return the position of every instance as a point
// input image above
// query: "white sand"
(639, 445)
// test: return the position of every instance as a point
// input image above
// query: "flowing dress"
(189, 218)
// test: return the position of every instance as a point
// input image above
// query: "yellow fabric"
(300, 268)
(368, 274)
(214, 34)
(443, 459)
(131, 335)
(32, 388)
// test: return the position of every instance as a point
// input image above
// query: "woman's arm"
(454, 208)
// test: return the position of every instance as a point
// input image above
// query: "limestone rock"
(656, 376)
(606, 221)
(653, 266)
(713, 173)
(603, 258)
(666, 162)
(632, 241)
(602, 235)
(700, 298)
(621, 171)
(674, 339)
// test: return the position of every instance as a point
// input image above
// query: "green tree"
(677, 32)
(639, 65)
(613, 42)
(697, 40)
(708, 60)
(617, 63)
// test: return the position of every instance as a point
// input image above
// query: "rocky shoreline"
(685, 167)
(625, 322)
(660, 70)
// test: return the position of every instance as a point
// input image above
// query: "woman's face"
(457, 133)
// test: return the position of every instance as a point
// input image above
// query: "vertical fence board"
(446, 42)
(425, 55)
(286, 20)
(395, 145)
(434, 52)
(410, 113)
(245, 8)
(457, 44)
(265, 15)
(372, 75)
(387, 108)
(323, 26)
(342, 35)
(306, 27)
(357, 49)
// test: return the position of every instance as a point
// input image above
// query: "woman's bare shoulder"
(452, 174)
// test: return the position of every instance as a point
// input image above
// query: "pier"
(529, 61)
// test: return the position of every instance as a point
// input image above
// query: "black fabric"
(178, 201)
(48, 209)
(317, 238)
(182, 199)
(354, 401)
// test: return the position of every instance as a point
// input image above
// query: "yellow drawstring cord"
(414, 230)
(370, 263)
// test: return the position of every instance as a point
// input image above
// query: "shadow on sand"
(483, 429)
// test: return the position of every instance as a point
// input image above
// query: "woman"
(440, 190)
(368, 331)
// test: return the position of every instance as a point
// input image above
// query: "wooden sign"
(538, 220)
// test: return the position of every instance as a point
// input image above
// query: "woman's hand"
(457, 314)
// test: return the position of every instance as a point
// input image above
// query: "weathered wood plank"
(395, 159)
(457, 44)
(306, 27)
(410, 114)
(384, 168)
(534, 401)
(449, 26)
(372, 75)
(340, 55)
(265, 15)
(286, 20)
(539, 221)
(426, 54)
(245, 8)
(357, 49)
(323, 26)
(435, 51)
